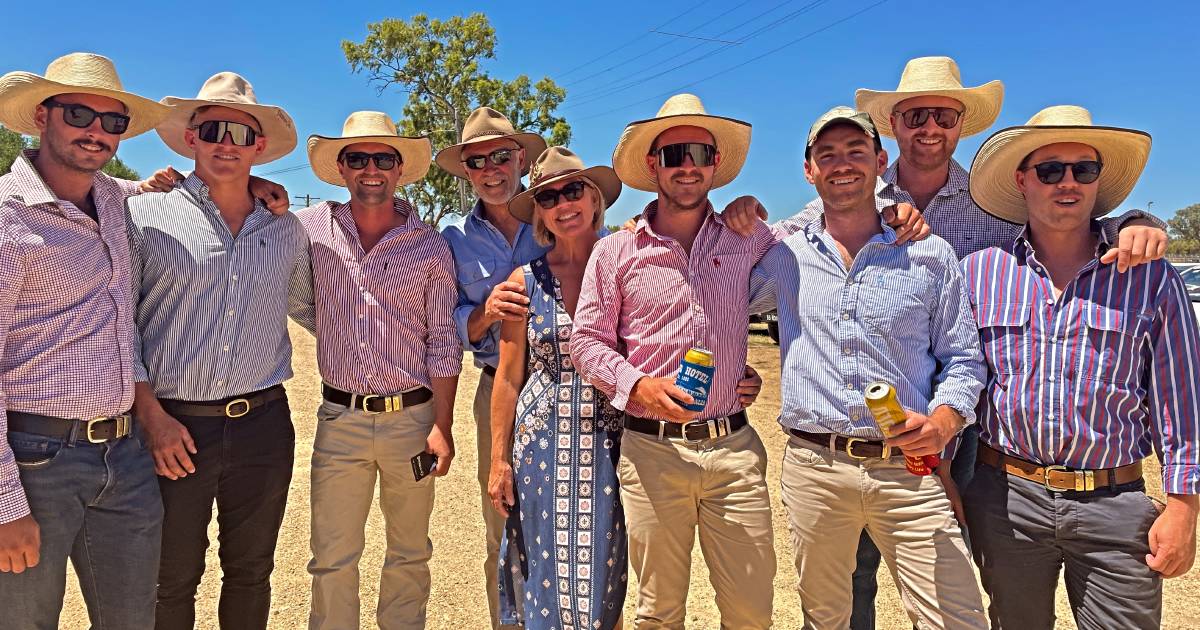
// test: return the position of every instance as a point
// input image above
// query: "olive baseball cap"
(840, 114)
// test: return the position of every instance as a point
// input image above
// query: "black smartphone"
(423, 463)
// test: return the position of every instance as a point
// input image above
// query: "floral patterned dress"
(563, 558)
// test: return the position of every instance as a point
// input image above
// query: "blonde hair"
(545, 237)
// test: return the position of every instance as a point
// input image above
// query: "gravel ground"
(457, 600)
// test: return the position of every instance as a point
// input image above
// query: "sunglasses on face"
(497, 157)
(357, 160)
(945, 117)
(81, 116)
(1084, 172)
(547, 198)
(672, 155)
(214, 132)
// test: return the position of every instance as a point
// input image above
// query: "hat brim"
(603, 177)
(415, 152)
(993, 184)
(450, 158)
(981, 105)
(732, 138)
(277, 126)
(22, 92)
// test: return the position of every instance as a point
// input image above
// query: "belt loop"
(73, 434)
(662, 426)
(1112, 474)
(833, 442)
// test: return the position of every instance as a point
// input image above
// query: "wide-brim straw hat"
(415, 152)
(557, 164)
(1122, 151)
(76, 73)
(228, 89)
(934, 76)
(731, 136)
(486, 124)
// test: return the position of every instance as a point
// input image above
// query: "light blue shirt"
(900, 314)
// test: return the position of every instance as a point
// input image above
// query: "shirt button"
(235, 277)
(847, 350)
(854, 416)
(226, 348)
(1049, 302)
(362, 344)
(230, 313)
(370, 376)
(361, 315)
(220, 382)
(849, 385)
(1050, 416)
(845, 314)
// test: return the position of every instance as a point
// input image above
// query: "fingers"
(630, 225)
(512, 287)
(174, 174)
(33, 555)
(443, 465)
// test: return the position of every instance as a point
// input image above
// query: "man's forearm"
(478, 324)
(444, 389)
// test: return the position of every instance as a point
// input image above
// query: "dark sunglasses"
(1052, 172)
(945, 117)
(357, 160)
(672, 155)
(548, 197)
(497, 157)
(81, 116)
(214, 132)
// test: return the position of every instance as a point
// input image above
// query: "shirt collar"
(816, 226)
(1023, 247)
(477, 210)
(341, 212)
(643, 225)
(958, 181)
(24, 170)
(200, 191)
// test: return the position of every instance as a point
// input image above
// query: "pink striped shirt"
(384, 320)
(645, 302)
(66, 323)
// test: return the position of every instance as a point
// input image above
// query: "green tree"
(437, 63)
(12, 143)
(121, 170)
(1184, 228)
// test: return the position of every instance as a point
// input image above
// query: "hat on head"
(227, 89)
(1123, 151)
(732, 138)
(934, 76)
(840, 114)
(76, 73)
(486, 124)
(557, 164)
(415, 152)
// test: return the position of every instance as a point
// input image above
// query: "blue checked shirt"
(899, 314)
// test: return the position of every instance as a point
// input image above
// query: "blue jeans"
(99, 505)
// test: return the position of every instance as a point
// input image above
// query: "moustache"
(103, 145)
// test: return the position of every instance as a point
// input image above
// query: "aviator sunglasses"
(497, 157)
(547, 198)
(214, 132)
(672, 155)
(945, 117)
(357, 160)
(81, 116)
(1052, 172)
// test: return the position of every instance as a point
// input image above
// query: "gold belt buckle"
(850, 442)
(122, 423)
(1085, 480)
(362, 402)
(229, 411)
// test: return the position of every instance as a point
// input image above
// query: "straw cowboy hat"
(228, 89)
(555, 165)
(76, 73)
(934, 76)
(732, 138)
(1122, 151)
(415, 152)
(486, 124)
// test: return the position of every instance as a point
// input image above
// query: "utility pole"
(308, 199)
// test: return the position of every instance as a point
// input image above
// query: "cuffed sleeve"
(443, 357)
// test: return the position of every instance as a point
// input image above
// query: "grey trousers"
(1022, 535)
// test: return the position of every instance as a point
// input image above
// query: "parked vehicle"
(771, 319)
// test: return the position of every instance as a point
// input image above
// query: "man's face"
(929, 146)
(224, 160)
(370, 185)
(84, 150)
(1063, 206)
(495, 184)
(687, 185)
(843, 165)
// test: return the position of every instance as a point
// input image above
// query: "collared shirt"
(212, 307)
(483, 259)
(899, 314)
(1094, 378)
(645, 301)
(384, 318)
(66, 319)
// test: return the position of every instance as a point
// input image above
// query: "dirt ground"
(457, 600)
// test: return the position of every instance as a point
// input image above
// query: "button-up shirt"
(384, 318)
(66, 318)
(212, 307)
(483, 259)
(898, 314)
(645, 301)
(1092, 379)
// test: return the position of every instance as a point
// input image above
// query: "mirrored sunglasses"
(672, 155)
(214, 132)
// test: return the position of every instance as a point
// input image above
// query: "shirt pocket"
(1114, 340)
(892, 305)
(1004, 336)
(472, 271)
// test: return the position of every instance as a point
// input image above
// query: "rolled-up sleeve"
(594, 341)
(444, 355)
(1174, 394)
(302, 306)
(13, 503)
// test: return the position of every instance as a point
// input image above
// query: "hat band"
(491, 132)
(549, 176)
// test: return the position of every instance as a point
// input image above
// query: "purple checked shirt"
(66, 322)
(1095, 378)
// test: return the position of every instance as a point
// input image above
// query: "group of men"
(143, 330)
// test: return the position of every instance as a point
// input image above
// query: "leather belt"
(856, 448)
(489, 370)
(232, 407)
(691, 432)
(95, 431)
(376, 403)
(1060, 478)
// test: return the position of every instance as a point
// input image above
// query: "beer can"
(695, 376)
(886, 408)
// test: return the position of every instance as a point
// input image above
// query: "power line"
(286, 169)
(705, 39)
(308, 199)
(631, 41)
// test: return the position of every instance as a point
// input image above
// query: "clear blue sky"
(1131, 64)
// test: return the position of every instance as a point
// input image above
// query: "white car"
(1190, 272)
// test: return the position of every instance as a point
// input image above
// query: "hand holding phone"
(422, 464)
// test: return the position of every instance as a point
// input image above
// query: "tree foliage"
(437, 64)
(12, 143)
(1184, 229)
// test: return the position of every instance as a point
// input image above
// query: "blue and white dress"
(564, 554)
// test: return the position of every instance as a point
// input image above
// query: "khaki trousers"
(351, 449)
(493, 521)
(830, 497)
(670, 489)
